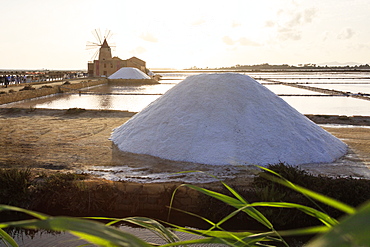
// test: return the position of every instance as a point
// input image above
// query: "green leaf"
(353, 230)
(91, 231)
(154, 226)
(201, 241)
(305, 231)
(29, 212)
(236, 194)
(317, 196)
(144, 222)
(326, 219)
(254, 213)
(5, 236)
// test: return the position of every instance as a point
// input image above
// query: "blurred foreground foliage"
(350, 230)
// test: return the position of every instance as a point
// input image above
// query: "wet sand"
(70, 140)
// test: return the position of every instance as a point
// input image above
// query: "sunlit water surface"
(135, 98)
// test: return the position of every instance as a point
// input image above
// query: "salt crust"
(128, 73)
(229, 118)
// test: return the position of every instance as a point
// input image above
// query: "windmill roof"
(220, 119)
(105, 44)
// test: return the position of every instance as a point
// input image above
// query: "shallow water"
(353, 88)
(62, 239)
(135, 98)
(283, 89)
(334, 105)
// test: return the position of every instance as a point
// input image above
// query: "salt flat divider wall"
(44, 91)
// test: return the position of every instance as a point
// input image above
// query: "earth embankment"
(66, 140)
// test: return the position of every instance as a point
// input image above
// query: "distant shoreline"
(240, 69)
(295, 70)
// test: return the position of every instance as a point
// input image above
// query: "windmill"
(100, 40)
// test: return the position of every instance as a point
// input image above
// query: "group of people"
(12, 79)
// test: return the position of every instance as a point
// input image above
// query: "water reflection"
(132, 103)
(283, 89)
(353, 88)
(330, 105)
(114, 88)
(134, 98)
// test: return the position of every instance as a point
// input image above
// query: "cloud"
(325, 36)
(295, 20)
(235, 24)
(138, 50)
(346, 34)
(246, 42)
(148, 37)
(269, 23)
(289, 23)
(227, 40)
(309, 15)
(289, 34)
(302, 17)
(241, 41)
(198, 22)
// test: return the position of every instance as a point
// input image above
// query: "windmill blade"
(94, 33)
(95, 55)
(113, 46)
(108, 34)
(97, 35)
(91, 45)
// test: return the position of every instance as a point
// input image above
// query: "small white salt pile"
(129, 73)
(218, 119)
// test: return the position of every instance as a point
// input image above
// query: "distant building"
(107, 65)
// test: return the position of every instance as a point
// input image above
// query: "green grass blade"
(324, 218)
(305, 231)
(317, 196)
(111, 222)
(154, 226)
(195, 215)
(29, 212)
(6, 237)
(143, 222)
(218, 234)
(243, 238)
(211, 233)
(236, 194)
(353, 230)
(200, 241)
(254, 213)
(91, 231)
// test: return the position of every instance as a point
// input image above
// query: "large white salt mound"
(218, 119)
(128, 73)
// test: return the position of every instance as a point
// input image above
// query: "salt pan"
(218, 119)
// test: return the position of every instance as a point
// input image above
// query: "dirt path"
(55, 139)
(62, 140)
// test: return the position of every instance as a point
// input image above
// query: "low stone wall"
(26, 94)
(14, 96)
(83, 84)
(150, 197)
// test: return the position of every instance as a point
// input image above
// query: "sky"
(50, 34)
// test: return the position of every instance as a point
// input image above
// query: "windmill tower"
(100, 46)
(105, 52)
(106, 65)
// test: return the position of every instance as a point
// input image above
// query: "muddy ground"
(68, 140)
